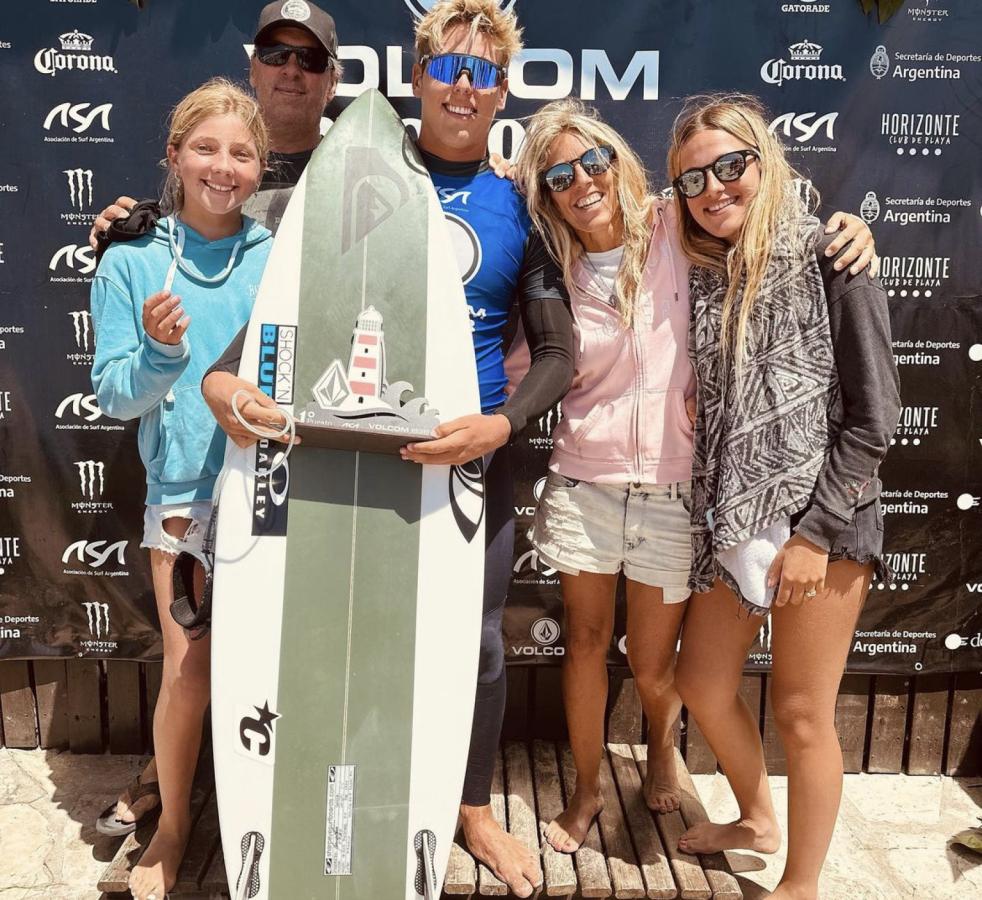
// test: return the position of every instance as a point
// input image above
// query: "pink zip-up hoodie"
(624, 419)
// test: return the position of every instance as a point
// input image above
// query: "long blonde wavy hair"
(775, 208)
(630, 184)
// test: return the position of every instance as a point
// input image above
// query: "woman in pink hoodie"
(618, 491)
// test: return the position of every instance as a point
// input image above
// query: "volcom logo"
(77, 55)
(256, 732)
(79, 116)
(545, 632)
(537, 490)
(98, 618)
(805, 125)
(974, 587)
(804, 65)
(91, 478)
(373, 190)
(78, 257)
(79, 187)
(94, 554)
(420, 8)
(82, 320)
(79, 403)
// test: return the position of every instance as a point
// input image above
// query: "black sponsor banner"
(880, 117)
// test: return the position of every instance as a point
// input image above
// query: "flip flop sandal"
(112, 826)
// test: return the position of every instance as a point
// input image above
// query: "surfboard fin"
(425, 845)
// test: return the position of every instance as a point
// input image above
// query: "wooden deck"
(628, 853)
(923, 725)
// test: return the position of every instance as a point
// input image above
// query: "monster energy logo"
(98, 617)
(81, 319)
(79, 183)
(88, 470)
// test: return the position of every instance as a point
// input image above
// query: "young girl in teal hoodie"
(165, 306)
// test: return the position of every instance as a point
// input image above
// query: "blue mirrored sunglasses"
(448, 67)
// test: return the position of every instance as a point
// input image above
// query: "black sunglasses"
(310, 59)
(728, 167)
(448, 67)
(595, 161)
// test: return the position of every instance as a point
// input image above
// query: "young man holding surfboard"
(463, 48)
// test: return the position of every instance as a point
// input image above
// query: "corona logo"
(805, 51)
(75, 40)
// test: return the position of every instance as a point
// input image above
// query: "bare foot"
(511, 862)
(156, 873)
(126, 811)
(744, 834)
(568, 830)
(661, 784)
(789, 892)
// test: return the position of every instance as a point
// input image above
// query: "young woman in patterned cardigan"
(797, 400)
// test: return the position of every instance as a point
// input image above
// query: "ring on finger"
(811, 592)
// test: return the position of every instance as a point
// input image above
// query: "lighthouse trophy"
(356, 408)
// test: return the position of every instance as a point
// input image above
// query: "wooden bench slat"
(560, 879)
(84, 706)
(488, 885)
(688, 873)
(51, 687)
(927, 726)
(655, 868)
(461, 878)
(591, 867)
(625, 716)
(851, 708)
(965, 735)
(625, 874)
(523, 824)
(17, 703)
(717, 870)
(888, 725)
(123, 693)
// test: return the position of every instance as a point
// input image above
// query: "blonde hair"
(216, 97)
(774, 209)
(630, 181)
(481, 16)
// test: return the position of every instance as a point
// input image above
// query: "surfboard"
(347, 589)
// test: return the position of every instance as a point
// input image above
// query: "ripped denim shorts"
(156, 538)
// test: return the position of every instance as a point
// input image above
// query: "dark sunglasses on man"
(310, 59)
(728, 167)
(595, 161)
(448, 67)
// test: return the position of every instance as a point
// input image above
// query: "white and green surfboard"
(348, 585)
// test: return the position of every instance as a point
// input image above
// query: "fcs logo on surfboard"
(256, 733)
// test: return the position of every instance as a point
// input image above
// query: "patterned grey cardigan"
(760, 449)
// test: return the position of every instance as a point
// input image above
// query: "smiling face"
(721, 208)
(589, 206)
(456, 119)
(291, 99)
(218, 165)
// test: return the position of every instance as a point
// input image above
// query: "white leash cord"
(288, 431)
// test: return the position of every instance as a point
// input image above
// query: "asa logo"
(84, 406)
(95, 554)
(803, 127)
(79, 258)
(79, 117)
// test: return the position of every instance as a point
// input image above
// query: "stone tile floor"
(891, 842)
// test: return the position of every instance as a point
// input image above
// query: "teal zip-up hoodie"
(135, 376)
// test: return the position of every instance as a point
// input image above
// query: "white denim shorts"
(156, 538)
(640, 529)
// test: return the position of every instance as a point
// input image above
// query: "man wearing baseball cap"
(294, 71)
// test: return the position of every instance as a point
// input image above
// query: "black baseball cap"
(300, 14)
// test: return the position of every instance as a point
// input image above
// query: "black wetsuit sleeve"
(859, 322)
(230, 359)
(141, 220)
(543, 302)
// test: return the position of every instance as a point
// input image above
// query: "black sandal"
(111, 825)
